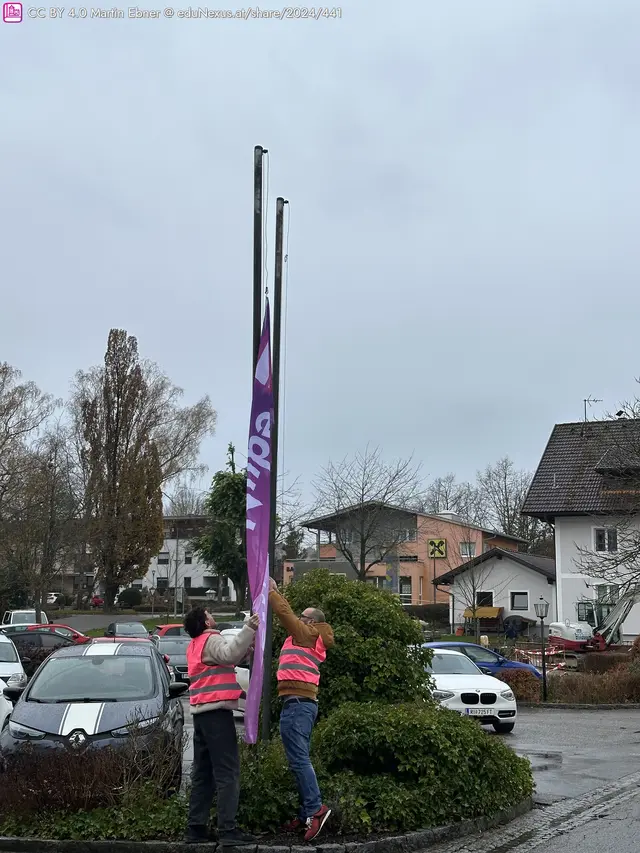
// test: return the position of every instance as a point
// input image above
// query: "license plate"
(478, 712)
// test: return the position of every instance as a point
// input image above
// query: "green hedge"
(378, 654)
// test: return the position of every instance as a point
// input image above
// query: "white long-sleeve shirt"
(225, 651)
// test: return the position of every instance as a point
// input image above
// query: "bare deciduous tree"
(42, 533)
(447, 494)
(359, 492)
(504, 489)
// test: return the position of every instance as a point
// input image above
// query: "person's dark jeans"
(296, 724)
(216, 770)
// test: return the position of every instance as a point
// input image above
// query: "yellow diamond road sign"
(437, 548)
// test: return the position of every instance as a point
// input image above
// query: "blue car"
(489, 662)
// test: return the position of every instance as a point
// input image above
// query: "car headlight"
(508, 695)
(18, 679)
(442, 695)
(128, 730)
(20, 732)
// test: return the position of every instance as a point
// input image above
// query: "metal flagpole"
(277, 331)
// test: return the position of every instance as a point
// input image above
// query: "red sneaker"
(295, 825)
(315, 824)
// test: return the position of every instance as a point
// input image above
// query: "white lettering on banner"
(253, 471)
(263, 424)
(251, 525)
(259, 450)
(252, 503)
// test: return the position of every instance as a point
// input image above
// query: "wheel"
(504, 728)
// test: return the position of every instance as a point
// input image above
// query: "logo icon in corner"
(77, 740)
(12, 13)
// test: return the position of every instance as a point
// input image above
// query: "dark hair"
(195, 622)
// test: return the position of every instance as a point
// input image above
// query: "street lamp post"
(153, 592)
(542, 609)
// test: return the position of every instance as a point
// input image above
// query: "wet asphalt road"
(573, 752)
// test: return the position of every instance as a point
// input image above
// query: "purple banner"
(258, 515)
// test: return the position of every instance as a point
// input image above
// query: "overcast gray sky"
(464, 184)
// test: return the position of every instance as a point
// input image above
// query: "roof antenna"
(589, 402)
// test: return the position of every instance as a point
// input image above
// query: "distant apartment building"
(419, 547)
(176, 566)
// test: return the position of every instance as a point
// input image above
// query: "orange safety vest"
(209, 683)
(298, 663)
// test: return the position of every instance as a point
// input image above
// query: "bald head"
(312, 614)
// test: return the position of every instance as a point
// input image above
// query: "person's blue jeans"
(296, 724)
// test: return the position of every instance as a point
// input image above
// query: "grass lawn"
(149, 624)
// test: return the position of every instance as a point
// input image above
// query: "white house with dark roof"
(587, 486)
(504, 586)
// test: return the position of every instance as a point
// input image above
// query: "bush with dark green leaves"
(377, 656)
(130, 597)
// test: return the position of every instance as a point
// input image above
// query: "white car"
(462, 687)
(11, 669)
(24, 617)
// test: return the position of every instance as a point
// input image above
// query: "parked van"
(24, 617)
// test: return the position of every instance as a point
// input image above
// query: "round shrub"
(388, 768)
(378, 654)
(130, 597)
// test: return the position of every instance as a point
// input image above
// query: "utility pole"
(175, 589)
(275, 370)
(258, 225)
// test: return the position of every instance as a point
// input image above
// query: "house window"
(408, 535)
(519, 601)
(408, 558)
(468, 549)
(162, 584)
(188, 558)
(605, 539)
(377, 582)
(484, 599)
(607, 594)
(187, 583)
(163, 558)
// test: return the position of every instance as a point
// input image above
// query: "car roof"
(105, 650)
(450, 652)
(443, 644)
(112, 640)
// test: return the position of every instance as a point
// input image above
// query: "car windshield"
(24, 618)
(131, 629)
(442, 664)
(8, 653)
(112, 678)
(176, 648)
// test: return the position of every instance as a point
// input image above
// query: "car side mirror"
(25, 660)
(14, 693)
(485, 670)
(177, 688)
(109, 633)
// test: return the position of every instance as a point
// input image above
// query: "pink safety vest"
(209, 683)
(298, 663)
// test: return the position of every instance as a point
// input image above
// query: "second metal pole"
(277, 332)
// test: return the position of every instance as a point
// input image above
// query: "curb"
(574, 706)
(412, 841)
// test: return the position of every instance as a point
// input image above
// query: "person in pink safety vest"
(213, 697)
(301, 656)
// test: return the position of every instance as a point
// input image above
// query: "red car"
(97, 601)
(63, 630)
(173, 630)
